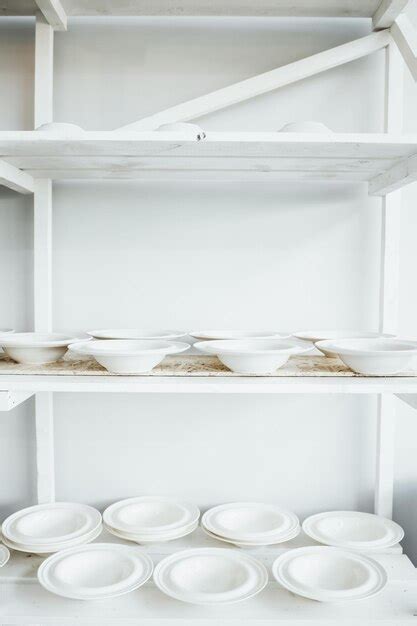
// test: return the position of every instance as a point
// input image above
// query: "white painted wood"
(45, 463)
(44, 71)
(54, 13)
(410, 399)
(405, 35)
(43, 255)
(389, 289)
(395, 178)
(262, 8)
(13, 178)
(10, 399)
(387, 13)
(265, 82)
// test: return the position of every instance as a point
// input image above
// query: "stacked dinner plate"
(47, 528)
(250, 524)
(151, 519)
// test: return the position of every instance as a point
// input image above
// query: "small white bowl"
(255, 356)
(322, 335)
(124, 356)
(60, 128)
(185, 128)
(35, 348)
(135, 333)
(373, 357)
(211, 335)
(305, 127)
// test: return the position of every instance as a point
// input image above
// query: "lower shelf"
(24, 602)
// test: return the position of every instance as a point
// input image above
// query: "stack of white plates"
(96, 572)
(210, 576)
(353, 530)
(329, 574)
(151, 519)
(250, 524)
(46, 528)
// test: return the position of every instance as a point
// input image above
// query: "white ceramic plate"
(4, 555)
(150, 515)
(253, 356)
(210, 335)
(248, 544)
(373, 357)
(185, 128)
(125, 356)
(50, 548)
(210, 576)
(60, 128)
(35, 348)
(95, 572)
(329, 574)
(135, 333)
(305, 127)
(45, 524)
(322, 335)
(353, 530)
(6, 331)
(153, 538)
(249, 521)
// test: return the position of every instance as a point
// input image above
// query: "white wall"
(190, 255)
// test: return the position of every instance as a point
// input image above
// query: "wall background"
(200, 255)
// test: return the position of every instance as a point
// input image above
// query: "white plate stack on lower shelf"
(47, 528)
(151, 519)
(250, 524)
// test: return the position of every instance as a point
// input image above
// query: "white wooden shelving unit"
(30, 161)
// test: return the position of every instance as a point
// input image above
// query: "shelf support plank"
(263, 83)
(11, 399)
(45, 463)
(387, 12)
(404, 34)
(401, 174)
(54, 13)
(389, 289)
(15, 179)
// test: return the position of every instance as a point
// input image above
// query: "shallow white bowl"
(35, 348)
(373, 357)
(95, 572)
(329, 574)
(210, 576)
(210, 335)
(249, 521)
(353, 530)
(4, 555)
(50, 548)
(185, 128)
(253, 356)
(150, 515)
(323, 335)
(135, 333)
(150, 538)
(305, 127)
(124, 356)
(6, 331)
(60, 128)
(254, 544)
(53, 523)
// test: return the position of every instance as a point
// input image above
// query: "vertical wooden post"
(389, 287)
(42, 218)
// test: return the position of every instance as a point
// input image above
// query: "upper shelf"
(387, 162)
(265, 8)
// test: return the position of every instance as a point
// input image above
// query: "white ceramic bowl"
(254, 356)
(210, 576)
(153, 538)
(6, 331)
(60, 128)
(329, 574)
(373, 357)
(322, 335)
(185, 128)
(4, 555)
(35, 348)
(211, 335)
(128, 356)
(135, 333)
(305, 127)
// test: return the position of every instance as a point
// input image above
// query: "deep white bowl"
(373, 357)
(185, 128)
(254, 356)
(35, 348)
(211, 335)
(305, 127)
(62, 128)
(123, 356)
(315, 336)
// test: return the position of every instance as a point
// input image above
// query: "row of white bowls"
(134, 351)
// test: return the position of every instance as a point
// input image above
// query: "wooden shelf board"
(201, 374)
(265, 8)
(23, 601)
(220, 156)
